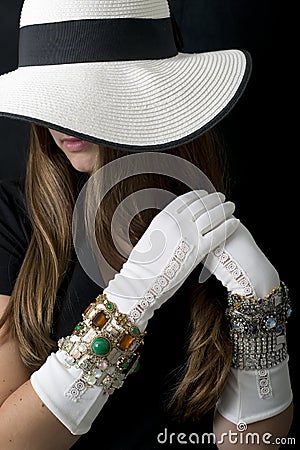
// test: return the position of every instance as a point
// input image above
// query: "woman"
(66, 377)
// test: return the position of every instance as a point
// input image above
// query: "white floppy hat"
(109, 71)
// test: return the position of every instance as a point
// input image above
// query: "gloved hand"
(175, 242)
(258, 387)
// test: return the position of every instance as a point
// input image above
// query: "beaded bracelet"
(258, 329)
(104, 346)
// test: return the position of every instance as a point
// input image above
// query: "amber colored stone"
(126, 341)
(100, 319)
(87, 309)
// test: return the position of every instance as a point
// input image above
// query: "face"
(81, 154)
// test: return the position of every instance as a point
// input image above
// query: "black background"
(257, 131)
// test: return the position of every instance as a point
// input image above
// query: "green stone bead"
(109, 306)
(101, 346)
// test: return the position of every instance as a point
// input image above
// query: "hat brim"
(133, 105)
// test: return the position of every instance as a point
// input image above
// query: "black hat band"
(96, 40)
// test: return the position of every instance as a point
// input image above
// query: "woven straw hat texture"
(138, 104)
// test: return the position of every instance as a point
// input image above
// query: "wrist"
(258, 328)
(258, 385)
(76, 381)
(104, 346)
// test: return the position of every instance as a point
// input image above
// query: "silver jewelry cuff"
(258, 329)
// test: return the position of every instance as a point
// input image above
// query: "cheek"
(56, 137)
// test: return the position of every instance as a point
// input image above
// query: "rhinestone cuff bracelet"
(258, 329)
(104, 346)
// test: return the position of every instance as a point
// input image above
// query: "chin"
(82, 169)
(84, 165)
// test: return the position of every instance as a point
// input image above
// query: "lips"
(74, 144)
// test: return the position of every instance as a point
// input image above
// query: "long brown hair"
(50, 192)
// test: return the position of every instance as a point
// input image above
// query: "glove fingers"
(219, 234)
(181, 203)
(210, 201)
(214, 217)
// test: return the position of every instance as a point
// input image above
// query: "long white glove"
(252, 394)
(176, 241)
(242, 267)
(178, 238)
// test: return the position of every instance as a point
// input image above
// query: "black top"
(136, 414)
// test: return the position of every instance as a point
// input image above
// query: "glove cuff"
(258, 386)
(76, 381)
(51, 383)
(253, 395)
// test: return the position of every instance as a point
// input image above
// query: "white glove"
(250, 395)
(54, 381)
(175, 242)
(241, 400)
(242, 267)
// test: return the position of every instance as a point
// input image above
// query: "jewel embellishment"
(104, 346)
(258, 330)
